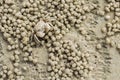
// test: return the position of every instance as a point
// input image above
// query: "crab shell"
(41, 28)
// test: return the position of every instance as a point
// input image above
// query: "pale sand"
(106, 61)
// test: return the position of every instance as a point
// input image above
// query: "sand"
(106, 61)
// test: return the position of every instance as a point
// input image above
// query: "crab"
(40, 29)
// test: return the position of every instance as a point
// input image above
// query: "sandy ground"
(106, 61)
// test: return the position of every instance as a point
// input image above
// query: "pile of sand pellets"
(58, 39)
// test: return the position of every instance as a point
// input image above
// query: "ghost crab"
(40, 29)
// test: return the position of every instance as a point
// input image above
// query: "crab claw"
(47, 27)
(40, 34)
